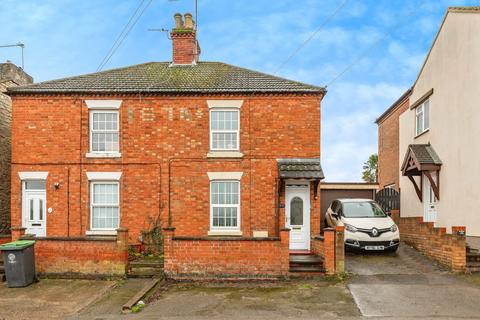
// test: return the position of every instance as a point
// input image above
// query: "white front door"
(429, 202)
(297, 216)
(34, 209)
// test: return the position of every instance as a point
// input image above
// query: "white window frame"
(225, 229)
(92, 131)
(92, 205)
(420, 110)
(237, 110)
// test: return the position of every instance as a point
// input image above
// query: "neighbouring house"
(10, 76)
(388, 143)
(438, 154)
(225, 159)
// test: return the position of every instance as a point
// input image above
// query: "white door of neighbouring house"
(34, 208)
(429, 202)
(297, 216)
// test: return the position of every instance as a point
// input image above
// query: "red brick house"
(388, 143)
(222, 157)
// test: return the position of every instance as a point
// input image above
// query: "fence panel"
(388, 199)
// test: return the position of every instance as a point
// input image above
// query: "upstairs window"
(104, 131)
(422, 114)
(224, 129)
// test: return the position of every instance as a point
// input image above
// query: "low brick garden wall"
(5, 238)
(197, 257)
(448, 249)
(330, 246)
(81, 257)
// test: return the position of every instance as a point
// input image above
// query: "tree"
(370, 168)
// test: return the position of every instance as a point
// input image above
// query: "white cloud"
(348, 129)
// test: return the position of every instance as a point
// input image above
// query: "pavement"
(295, 299)
(408, 285)
(50, 298)
(405, 285)
(109, 305)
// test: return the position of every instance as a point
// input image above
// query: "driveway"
(408, 285)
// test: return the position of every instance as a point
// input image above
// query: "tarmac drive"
(408, 285)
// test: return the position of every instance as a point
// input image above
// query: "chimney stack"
(185, 46)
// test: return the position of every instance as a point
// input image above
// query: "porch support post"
(435, 186)
(316, 183)
(417, 189)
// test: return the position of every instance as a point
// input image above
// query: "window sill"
(225, 233)
(224, 154)
(101, 232)
(103, 155)
(421, 134)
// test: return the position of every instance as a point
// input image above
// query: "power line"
(371, 47)
(126, 30)
(119, 36)
(300, 47)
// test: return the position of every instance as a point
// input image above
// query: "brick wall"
(84, 257)
(388, 146)
(447, 249)
(184, 47)
(10, 76)
(331, 247)
(5, 155)
(164, 142)
(225, 257)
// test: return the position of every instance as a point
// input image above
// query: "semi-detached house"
(433, 131)
(225, 159)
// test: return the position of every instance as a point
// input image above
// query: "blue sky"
(71, 37)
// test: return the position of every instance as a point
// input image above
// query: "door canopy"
(300, 168)
(420, 160)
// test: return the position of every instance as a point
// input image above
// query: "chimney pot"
(189, 23)
(178, 21)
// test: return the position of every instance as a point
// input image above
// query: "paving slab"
(109, 306)
(50, 298)
(296, 299)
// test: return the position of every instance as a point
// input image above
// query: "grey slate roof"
(425, 154)
(300, 168)
(162, 77)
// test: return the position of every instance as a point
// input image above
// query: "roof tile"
(162, 77)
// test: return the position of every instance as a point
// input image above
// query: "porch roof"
(420, 157)
(300, 168)
(421, 160)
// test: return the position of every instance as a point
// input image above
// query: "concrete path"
(49, 299)
(408, 285)
(109, 306)
(295, 299)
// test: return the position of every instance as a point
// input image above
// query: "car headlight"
(350, 228)
(394, 228)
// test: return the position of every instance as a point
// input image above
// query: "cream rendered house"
(440, 132)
